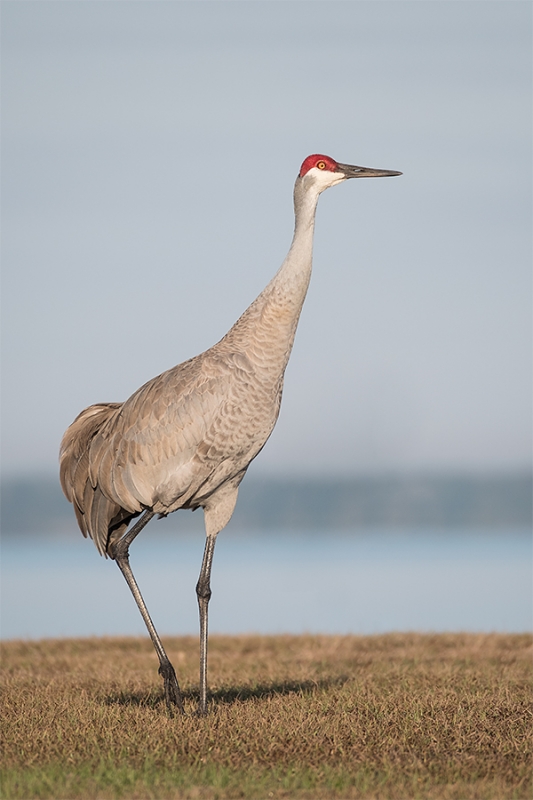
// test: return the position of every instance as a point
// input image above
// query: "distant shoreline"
(37, 503)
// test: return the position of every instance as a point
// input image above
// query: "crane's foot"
(201, 711)
(172, 690)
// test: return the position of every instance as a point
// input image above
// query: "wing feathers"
(169, 439)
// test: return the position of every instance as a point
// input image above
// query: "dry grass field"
(396, 716)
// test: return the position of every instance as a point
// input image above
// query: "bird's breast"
(231, 418)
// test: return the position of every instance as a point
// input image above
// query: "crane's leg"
(203, 592)
(120, 553)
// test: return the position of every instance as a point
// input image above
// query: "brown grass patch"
(396, 716)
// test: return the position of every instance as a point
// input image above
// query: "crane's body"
(185, 439)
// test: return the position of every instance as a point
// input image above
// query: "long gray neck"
(273, 316)
(296, 269)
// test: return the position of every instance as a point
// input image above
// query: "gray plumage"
(185, 439)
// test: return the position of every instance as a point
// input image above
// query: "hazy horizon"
(259, 474)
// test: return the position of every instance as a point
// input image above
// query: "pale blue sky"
(149, 154)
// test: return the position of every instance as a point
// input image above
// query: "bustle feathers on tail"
(98, 517)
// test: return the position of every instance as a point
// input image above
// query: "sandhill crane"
(186, 438)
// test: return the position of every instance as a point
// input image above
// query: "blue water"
(365, 581)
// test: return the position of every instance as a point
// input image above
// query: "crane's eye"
(321, 164)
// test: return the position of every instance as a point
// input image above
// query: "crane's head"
(324, 171)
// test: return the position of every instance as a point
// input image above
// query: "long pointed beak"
(365, 172)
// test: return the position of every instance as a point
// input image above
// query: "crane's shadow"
(226, 696)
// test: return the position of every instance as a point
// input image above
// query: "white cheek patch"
(323, 178)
